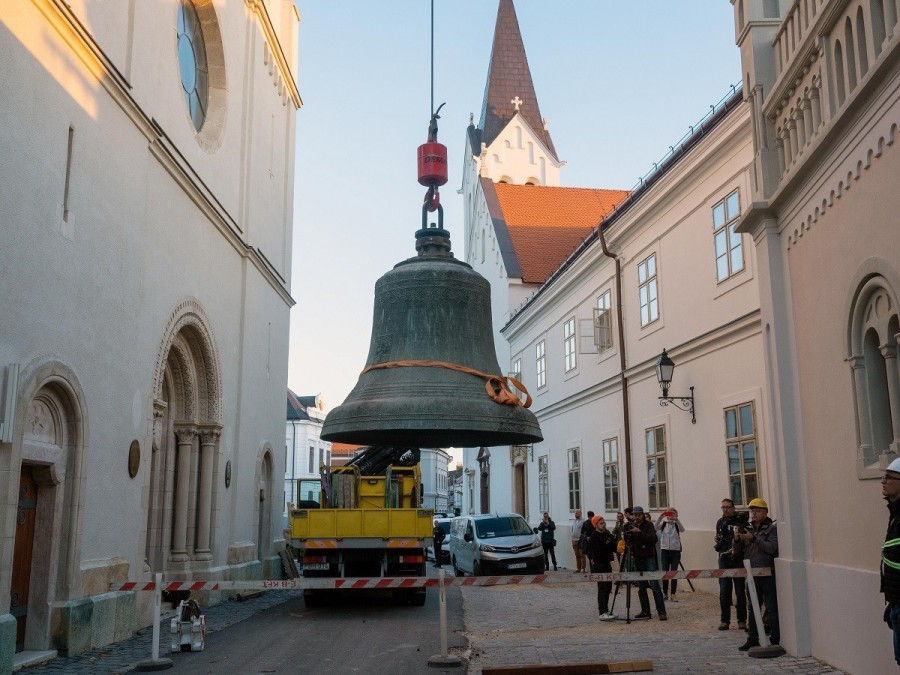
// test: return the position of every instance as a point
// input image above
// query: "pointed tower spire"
(509, 87)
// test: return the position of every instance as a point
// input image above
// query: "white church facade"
(146, 202)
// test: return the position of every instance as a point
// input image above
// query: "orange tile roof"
(344, 448)
(546, 224)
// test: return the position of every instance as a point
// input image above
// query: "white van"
(494, 544)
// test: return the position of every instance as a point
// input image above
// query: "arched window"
(874, 330)
(876, 9)
(851, 58)
(861, 42)
(839, 72)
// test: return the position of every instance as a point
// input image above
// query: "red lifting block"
(432, 164)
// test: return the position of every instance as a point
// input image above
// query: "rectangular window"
(647, 288)
(657, 480)
(603, 336)
(611, 473)
(569, 343)
(740, 442)
(541, 363)
(729, 245)
(574, 479)
(543, 484)
(312, 459)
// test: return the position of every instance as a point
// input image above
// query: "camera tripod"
(626, 564)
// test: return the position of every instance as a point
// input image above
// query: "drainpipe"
(294, 464)
(624, 379)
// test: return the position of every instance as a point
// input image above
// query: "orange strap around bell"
(495, 385)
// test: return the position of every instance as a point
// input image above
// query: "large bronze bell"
(425, 382)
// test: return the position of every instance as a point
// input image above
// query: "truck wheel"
(310, 599)
(417, 598)
(458, 572)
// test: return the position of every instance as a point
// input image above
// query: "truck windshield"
(501, 527)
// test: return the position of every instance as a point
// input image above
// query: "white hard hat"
(894, 466)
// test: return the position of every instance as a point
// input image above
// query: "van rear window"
(501, 527)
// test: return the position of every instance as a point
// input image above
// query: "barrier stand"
(156, 663)
(765, 650)
(443, 659)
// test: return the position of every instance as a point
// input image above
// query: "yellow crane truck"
(368, 522)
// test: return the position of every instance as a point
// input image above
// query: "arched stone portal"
(46, 481)
(187, 427)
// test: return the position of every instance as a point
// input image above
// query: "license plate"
(315, 566)
(516, 566)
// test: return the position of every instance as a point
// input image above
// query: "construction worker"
(759, 543)
(890, 553)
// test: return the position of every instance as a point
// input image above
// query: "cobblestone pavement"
(542, 624)
(121, 657)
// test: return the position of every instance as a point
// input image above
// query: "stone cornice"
(75, 34)
(258, 7)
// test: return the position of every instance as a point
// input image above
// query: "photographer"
(547, 528)
(601, 547)
(729, 558)
(670, 529)
(759, 544)
(641, 536)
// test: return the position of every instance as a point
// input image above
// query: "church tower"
(511, 143)
(520, 226)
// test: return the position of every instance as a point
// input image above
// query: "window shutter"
(602, 329)
(587, 343)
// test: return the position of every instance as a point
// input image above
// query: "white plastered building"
(146, 198)
(823, 84)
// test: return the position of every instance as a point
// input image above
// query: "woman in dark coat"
(547, 529)
(601, 549)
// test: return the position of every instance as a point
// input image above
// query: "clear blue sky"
(619, 82)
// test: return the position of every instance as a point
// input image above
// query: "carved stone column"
(815, 101)
(858, 367)
(792, 135)
(808, 127)
(209, 439)
(185, 436)
(889, 352)
(801, 128)
(890, 18)
(779, 148)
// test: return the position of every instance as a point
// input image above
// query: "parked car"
(494, 544)
(445, 553)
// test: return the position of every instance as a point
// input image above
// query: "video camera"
(725, 538)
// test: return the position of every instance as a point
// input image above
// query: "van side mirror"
(467, 536)
(535, 530)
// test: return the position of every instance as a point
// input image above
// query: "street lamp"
(665, 367)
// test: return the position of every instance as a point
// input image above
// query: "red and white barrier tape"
(331, 583)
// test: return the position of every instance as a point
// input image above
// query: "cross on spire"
(517, 102)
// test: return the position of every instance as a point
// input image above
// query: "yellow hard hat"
(758, 504)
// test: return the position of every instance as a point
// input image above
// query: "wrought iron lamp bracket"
(685, 403)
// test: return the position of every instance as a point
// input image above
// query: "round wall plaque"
(134, 458)
(228, 473)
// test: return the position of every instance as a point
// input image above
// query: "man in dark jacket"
(760, 546)
(726, 526)
(890, 553)
(643, 550)
(438, 535)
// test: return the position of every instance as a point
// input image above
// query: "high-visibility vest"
(890, 543)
